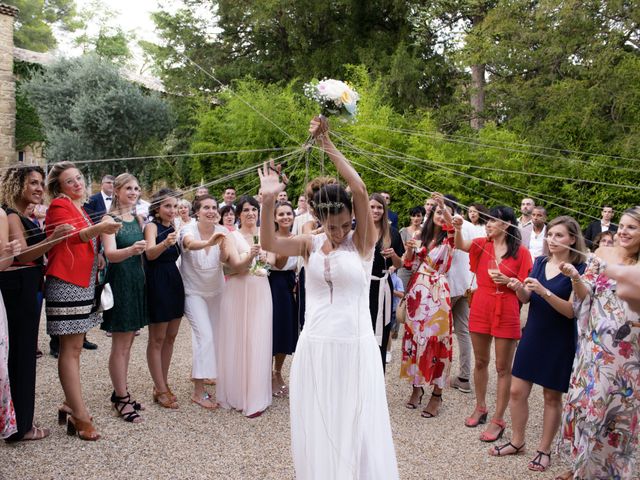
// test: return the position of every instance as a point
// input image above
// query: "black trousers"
(19, 292)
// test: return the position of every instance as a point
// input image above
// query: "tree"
(34, 27)
(89, 112)
(111, 42)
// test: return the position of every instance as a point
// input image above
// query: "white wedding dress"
(340, 427)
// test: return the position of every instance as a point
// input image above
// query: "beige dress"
(244, 340)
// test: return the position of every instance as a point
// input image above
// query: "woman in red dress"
(495, 310)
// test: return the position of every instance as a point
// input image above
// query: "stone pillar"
(7, 87)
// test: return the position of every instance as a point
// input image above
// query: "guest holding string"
(203, 279)
(600, 416)
(70, 288)
(8, 250)
(282, 281)
(339, 417)
(426, 346)
(245, 345)
(127, 279)
(388, 252)
(495, 310)
(165, 292)
(547, 349)
(21, 283)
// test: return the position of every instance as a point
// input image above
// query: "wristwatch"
(547, 293)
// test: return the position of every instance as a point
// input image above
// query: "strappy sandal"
(496, 451)
(121, 403)
(206, 398)
(63, 411)
(164, 399)
(536, 465)
(473, 422)
(485, 436)
(37, 433)
(137, 406)
(427, 414)
(413, 406)
(85, 430)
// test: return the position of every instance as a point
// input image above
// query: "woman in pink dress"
(245, 332)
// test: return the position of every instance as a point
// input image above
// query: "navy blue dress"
(285, 311)
(165, 290)
(548, 346)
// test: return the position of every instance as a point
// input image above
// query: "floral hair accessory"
(329, 205)
(335, 98)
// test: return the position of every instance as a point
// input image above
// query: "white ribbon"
(384, 299)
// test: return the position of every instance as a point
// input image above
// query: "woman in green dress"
(126, 276)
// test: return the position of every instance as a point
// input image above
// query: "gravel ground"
(194, 443)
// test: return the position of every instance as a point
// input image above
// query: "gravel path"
(194, 443)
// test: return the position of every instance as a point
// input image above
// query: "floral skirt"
(426, 346)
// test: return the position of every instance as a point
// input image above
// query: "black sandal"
(536, 465)
(121, 403)
(413, 406)
(425, 413)
(137, 406)
(497, 451)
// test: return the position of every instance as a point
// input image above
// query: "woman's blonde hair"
(120, 181)
(54, 188)
(578, 254)
(633, 212)
(14, 182)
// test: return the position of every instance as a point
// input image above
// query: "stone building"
(7, 87)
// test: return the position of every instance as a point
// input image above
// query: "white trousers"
(203, 314)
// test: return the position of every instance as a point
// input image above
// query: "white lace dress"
(340, 425)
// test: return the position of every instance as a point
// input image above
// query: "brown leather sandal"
(164, 399)
(85, 430)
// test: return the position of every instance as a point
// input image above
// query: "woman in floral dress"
(426, 346)
(600, 418)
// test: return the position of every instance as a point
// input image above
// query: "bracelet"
(576, 280)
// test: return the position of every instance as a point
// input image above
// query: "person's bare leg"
(504, 349)
(551, 419)
(519, 408)
(69, 373)
(277, 382)
(167, 347)
(157, 334)
(118, 365)
(482, 353)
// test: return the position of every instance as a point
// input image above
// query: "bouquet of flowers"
(334, 97)
(259, 268)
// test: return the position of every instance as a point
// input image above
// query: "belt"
(384, 299)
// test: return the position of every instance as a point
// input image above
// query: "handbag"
(106, 298)
(470, 291)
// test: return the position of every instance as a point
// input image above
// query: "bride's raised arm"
(365, 235)
(272, 182)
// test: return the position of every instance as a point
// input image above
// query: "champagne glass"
(493, 268)
(418, 241)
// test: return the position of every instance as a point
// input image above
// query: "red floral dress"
(426, 346)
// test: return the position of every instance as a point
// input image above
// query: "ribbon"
(384, 299)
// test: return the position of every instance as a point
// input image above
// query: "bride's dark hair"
(330, 199)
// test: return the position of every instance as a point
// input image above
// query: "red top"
(496, 314)
(72, 259)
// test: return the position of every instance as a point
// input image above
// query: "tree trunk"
(477, 96)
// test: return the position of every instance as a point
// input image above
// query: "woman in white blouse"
(203, 283)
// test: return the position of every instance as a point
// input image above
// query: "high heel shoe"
(164, 399)
(472, 422)
(85, 430)
(486, 437)
(63, 411)
(427, 414)
(413, 406)
(121, 403)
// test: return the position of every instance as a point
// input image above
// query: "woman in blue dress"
(547, 348)
(165, 292)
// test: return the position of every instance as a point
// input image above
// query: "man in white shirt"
(537, 232)
(283, 197)
(229, 197)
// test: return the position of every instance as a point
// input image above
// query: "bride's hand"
(318, 126)
(270, 175)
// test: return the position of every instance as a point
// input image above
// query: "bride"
(340, 425)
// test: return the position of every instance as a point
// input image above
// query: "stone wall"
(7, 87)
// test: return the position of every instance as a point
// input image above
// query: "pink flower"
(625, 349)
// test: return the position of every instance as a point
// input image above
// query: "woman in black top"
(389, 250)
(20, 284)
